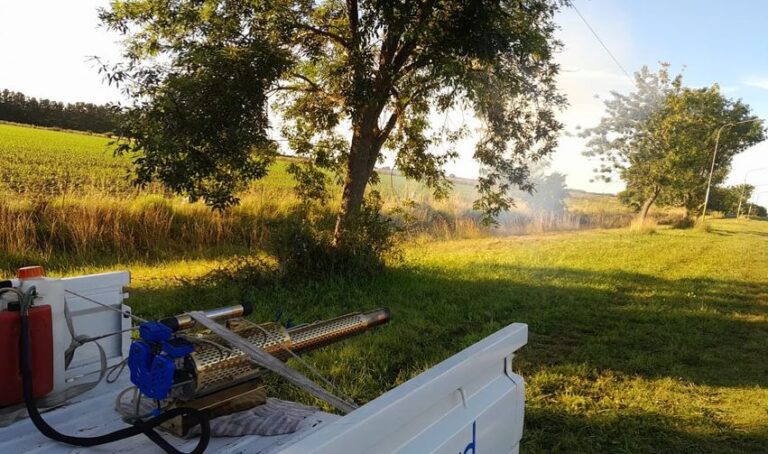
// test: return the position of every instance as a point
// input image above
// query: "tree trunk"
(367, 140)
(363, 154)
(647, 205)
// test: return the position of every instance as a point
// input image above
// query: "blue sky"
(44, 46)
(715, 41)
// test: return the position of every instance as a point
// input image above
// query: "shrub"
(684, 222)
(643, 227)
(304, 248)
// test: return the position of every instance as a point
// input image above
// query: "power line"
(594, 33)
(632, 81)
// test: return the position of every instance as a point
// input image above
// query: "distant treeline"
(80, 116)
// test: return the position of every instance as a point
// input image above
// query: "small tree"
(753, 209)
(729, 199)
(550, 194)
(660, 138)
(350, 79)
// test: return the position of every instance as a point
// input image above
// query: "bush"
(304, 248)
(643, 227)
(684, 222)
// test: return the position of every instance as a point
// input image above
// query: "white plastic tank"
(50, 292)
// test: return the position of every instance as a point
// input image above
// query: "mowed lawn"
(638, 343)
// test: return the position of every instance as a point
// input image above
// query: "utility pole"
(714, 158)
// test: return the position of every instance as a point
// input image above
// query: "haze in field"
(46, 44)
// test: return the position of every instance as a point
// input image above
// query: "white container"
(471, 403)
(89, 318)
(94, 320)
(51, 292)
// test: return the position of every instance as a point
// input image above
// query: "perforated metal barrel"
(319, 334)
(215, 368)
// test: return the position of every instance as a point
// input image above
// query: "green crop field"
(39, 162)
(46, 163)
(42, 162)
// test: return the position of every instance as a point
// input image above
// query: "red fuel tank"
(41, 339)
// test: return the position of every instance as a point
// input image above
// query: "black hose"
(139, 427)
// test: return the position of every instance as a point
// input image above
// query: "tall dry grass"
(149, 226)
(645, 226)
(456, 220)
(95, 225)
(542, 221)
(140, 227)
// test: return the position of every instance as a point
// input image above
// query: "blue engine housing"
(152, 359)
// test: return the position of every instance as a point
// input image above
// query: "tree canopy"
(550, 194)
(731, 200)
(660, 139)
(349, 80)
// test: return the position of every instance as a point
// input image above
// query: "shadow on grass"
(630, 433)
(755, 233)
(724, 232)
(699, 331)
(739, 227)
(702, 330)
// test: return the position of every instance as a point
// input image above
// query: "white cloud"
(46, 46)
(587, 77)
(756, 82)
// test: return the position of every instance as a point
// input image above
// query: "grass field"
(638, 343)
(41, 162)
(64, 197)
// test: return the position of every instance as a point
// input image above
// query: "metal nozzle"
(377, 317)
(318, 334)
(184, 321)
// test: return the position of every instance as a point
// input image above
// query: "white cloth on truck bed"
(274, 417)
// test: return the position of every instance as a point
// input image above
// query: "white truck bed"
(470, 403)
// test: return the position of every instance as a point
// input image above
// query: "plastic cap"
(30, 272)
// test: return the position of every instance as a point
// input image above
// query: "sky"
(46, 45)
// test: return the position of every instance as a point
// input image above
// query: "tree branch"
(352, 13)
(406, 50)
(311, 88)
(307, 80)
(400, 107)
(416, 63)
(389, 126)
(388, 48)
(319, 31)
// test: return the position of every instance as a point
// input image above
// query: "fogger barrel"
(184, 321)
(214, 368)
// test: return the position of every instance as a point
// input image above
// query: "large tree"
(660, 139)
(350, 80)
